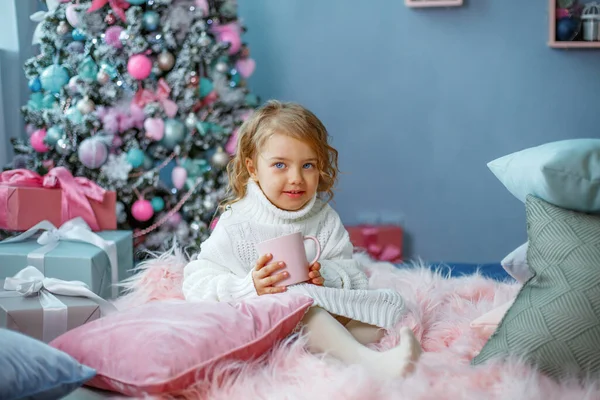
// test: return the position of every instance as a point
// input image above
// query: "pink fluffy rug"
(439, 312)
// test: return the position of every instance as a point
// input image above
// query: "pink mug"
(290, 249)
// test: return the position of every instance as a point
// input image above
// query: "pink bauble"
(232, 143)
(139, 66)
(175, 219)
(71, 14)
(233, 38)
(111, 36)
(178, 177)
(142, 210)
(48, 164)
(93, 153)
(37, 141)
(155, 128)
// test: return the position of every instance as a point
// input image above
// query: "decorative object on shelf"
(566, 24)
(432, 3)
(591, 22)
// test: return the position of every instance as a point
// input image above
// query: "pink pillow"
(167, 346)
(488, 322)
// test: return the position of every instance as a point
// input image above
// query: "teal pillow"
(31, 369)
(554, 322)
(564, 173)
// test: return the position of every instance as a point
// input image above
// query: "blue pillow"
(33, 370)
(565, 173)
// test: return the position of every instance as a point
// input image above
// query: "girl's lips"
(294, 194)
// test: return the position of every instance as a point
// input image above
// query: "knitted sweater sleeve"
(215, 274)
(338, 268)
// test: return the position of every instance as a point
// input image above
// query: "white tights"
(326, 334)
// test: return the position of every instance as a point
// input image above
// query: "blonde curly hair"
(290, 119)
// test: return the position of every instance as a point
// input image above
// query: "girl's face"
(286, 171)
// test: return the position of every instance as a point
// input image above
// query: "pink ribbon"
(383, 253)
(145, 96)
(76, 192)
(118, 7)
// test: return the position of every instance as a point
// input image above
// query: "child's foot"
(400, 361)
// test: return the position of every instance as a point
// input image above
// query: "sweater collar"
(255, 202)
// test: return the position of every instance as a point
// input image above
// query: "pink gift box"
(382, 242)
(26, 199)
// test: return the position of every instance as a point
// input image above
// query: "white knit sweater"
(223, 268)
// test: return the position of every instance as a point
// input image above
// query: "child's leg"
(326, 335)
(364, 333)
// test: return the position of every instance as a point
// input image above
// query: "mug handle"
(314, 239)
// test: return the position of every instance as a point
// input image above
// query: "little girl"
(281, 180)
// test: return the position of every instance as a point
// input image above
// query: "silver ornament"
(63, 146)
(191, 121)
(166, 61)
(86, 105)
(124, 37)
(221, 67)
(62, 28)
(102, 77)
(220, 158)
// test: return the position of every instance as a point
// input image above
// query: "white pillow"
(516, 263)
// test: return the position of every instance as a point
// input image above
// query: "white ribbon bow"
(73, 230)
(39, 17)
(30, 281)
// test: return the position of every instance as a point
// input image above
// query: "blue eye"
(308, 165)
(279, 165)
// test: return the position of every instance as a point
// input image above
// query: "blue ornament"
(53, 134)
(36, 101)
(111, 70)
(205, 87)
(158, 204)
(136, 2)
(88, 69)
(54, 78)
(49, 101)
(74, 115)
(566, 29)
(135, 157)
(150, 20)
(148, 163)
(235, 77)
(77, 35)
(35, 85)
(174, 133)
(251, 100)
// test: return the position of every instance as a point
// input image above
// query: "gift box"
(72, 252)
(381, 242)
(26, 314)
(45, 308)
(27, 198)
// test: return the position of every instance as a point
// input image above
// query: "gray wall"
(418, 101)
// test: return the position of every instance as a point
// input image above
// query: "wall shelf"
(563, 44)
(433, 3)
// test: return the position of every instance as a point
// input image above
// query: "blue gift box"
(72, 260)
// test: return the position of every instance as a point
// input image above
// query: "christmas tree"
(143, 97)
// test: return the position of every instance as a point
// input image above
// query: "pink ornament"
(155, 128)
(230, 33)
(142, 210)
(232, 143)
(71, 14)
(245, 67)
(93, 153)
(37, 141)
(203, 5)
(178, 177)
(139, 66)
(111, 37)
(48, 164)
(174, 220)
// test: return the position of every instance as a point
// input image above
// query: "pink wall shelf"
(433, 3)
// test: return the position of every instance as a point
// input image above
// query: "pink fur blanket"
(439, 312)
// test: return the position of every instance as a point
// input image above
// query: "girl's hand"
(315, 275)
(264, 276)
